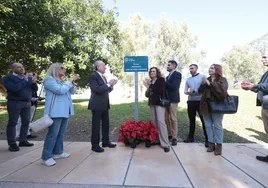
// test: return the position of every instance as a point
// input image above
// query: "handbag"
(43, 122)
(227, 106)
(164, 102)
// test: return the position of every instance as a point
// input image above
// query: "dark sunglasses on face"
(62, 68)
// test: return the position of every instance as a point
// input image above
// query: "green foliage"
(260, 44)
(75, 33)
(242, 63)
(174, 40)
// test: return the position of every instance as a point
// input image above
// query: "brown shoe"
(211, 147)
(218, 149)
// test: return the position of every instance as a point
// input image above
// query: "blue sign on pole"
(136, 63)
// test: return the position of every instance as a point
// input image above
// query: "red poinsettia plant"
(132, 133)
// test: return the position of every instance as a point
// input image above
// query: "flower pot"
(133, 145)
(147, 143)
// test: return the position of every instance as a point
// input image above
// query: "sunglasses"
(62, 68)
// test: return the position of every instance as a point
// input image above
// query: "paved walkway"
(186, 165)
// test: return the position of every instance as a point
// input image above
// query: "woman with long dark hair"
(156, 91)
(213, 88)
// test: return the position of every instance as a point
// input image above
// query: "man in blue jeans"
(19, 93)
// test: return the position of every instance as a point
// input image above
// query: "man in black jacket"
(19, 93)
(173, 82)
(262, 98)
(99, 105)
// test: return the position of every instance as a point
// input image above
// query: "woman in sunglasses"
(58, 106)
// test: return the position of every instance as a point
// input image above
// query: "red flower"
(131, 131)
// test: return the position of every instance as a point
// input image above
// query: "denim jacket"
(63, 106)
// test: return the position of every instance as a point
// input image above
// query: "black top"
(156, 91)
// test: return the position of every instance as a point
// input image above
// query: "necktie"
(169, 75)
(103, 78)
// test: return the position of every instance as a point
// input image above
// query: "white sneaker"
(61, 156)
(49, 162)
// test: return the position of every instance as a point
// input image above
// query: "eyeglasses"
(62, 68)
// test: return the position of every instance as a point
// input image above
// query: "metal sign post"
(136, 97)
(136, 64)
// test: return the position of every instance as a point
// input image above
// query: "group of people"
(58, 105)
(199, 89)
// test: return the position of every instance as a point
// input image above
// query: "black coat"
(173, 87)
(156, 92)
(99, 100)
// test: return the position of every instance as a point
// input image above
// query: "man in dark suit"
(99, 105)
(173, 82)
(19, 93)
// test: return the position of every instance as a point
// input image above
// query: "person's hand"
(115, 81)
(147, 83)
(204, 80)
(247, 85)
(112, 82)
(74, 78)
(190, 90)
(34, 77)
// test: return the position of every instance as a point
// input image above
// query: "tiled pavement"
(186, 165)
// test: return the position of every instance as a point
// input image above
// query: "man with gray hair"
(99, 105)
(262, 98)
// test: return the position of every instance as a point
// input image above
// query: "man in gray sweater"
(191, 89)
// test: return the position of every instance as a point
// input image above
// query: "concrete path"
(186, 165)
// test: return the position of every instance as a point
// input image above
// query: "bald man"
(19, 93)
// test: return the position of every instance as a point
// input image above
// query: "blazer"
(63, 106)
(156, 91)
(99, 99)
(173, 87)
(262, 86)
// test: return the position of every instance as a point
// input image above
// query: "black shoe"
(31, 136)
(263, 159)
(13, 148)
(166, 149)
(206, 144)
(174, 142)
(169, 137)
(109, 145)
(25, 144)
(188, 140)
(97, 149)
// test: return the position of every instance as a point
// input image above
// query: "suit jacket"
(173, 87)
(262, 86)
(63, 106)
(99, 99)
(156, 91)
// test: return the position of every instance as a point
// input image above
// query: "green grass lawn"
(243, 127)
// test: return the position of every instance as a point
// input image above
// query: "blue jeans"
(213, 123)
(16, 109)
(54, 140)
